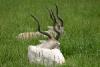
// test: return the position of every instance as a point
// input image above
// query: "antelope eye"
(58, 26)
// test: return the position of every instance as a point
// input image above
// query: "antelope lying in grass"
(47, 52)
(59, 23)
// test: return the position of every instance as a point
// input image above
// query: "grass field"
(80, 44)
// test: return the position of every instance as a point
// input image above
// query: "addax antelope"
(57, 21)
(47, 52)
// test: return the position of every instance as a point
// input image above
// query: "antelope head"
(52, 42)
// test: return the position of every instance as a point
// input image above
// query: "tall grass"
(80, 44)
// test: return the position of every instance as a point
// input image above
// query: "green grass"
(80, 44)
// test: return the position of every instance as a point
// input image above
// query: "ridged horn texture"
(44, 33)
(56, 20)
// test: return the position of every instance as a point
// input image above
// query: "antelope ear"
(58, 43)
(42, 41)
(50, 27)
